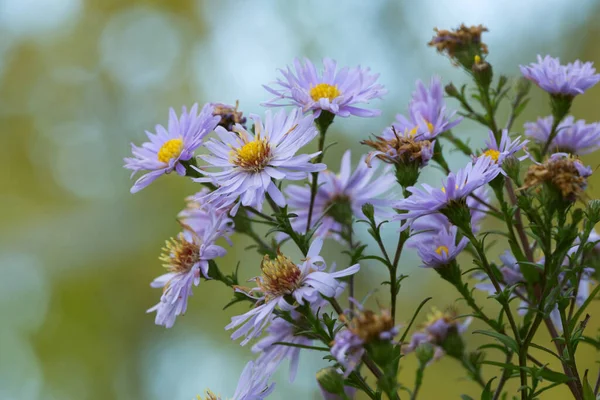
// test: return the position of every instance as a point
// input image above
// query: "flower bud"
(482, 71)
(331, 381)
(368, 210)
(512, 166)
(451, 90)
(425, 353)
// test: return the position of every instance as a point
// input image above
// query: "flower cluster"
(255, 178)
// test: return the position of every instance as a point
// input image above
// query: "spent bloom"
(439, 327)
(400, 148)
(428, 116)
(364, 327)
(229, 114)
(249, 162)
(456, 187)
(282, 278)
(506, 148)
(171, 146)
(441, 249)
(340, 197)
(186, 259)
(461, 44)
(281, 330)
(575, 137)
(571, 79)
(333, 90)
(565, 173)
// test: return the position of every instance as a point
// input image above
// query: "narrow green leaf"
(585, 304)
(506, 340)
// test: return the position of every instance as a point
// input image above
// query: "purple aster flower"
(340, 197)
(249, 162)
(198, 216)
(168, 148)
(511, 275)
(575, 137)
(280, 330)
(430, 200)
(438, 327)
(253, 383)
(506, 148)
(442, 249)
(427, 113)
(186, 258)
(336, 91)
(348, 348)
(281, 278)
(571, 79)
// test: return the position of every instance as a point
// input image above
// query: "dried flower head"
(369, 326)
(230, 116)
(462, 44)
(400, 149)
(564, 172)
(279, 276)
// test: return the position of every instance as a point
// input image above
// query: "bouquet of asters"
(533, 185)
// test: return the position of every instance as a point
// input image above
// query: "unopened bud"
(331, 381)
(482, 71)
(451, 90)
(425, 353)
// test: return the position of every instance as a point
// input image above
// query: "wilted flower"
(438, 331)
(571, 79)
(168, 148)
(399, 148)
(340, 197)
(230, 116)
(364, 327)
(575, 137)
(186, 259)
(282, 278)
(565, 173)
(250, 161)
(441, 249)
(427, 113)
(336, 91)
(461, 44)
(280, 330)
(456, 188)
(506, 148)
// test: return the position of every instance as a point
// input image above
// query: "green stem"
(418, 382)
(322, 123)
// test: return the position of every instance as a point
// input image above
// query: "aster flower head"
(441, 249)
(186, 259)
(249, 162)
(437, 330)
(340, 197)
(333, 90)
(428, 116)
(198, 216)
(169, 147)
(400, 148)
(506, 147)
(281, 330)
(561, 171)
(283, 280)
(462, 44)
(574, 137)
(569, 80)
(364, 327)
(229, 114)
(455, 189)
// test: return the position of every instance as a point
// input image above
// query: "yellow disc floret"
(170, 149)
(180, 254)
(493, 154)
(442, 249)
(324, 91)
(279, 276)
(413, 131)
(252, 156)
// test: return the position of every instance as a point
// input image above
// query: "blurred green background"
(80, 80)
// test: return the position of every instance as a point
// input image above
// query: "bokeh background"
(80, 80)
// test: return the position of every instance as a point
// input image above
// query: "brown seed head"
(454, 41)
(368, 325)
(562, 173)
(279, 276)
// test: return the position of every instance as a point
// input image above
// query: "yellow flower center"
(169, 150)
(180, 255)
(324, 91)
(442, 249)
(413, 131)
(252, 156)
(493, 154)
(477, 59)
(279, 276)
